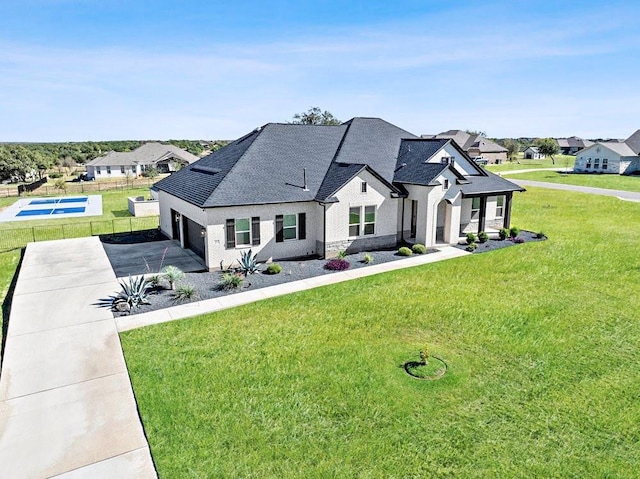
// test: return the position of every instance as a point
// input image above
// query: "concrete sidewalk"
(126, 323)
(67, 409)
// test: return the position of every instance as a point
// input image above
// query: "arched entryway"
(443, 222)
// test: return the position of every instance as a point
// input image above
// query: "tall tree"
(513, 148)
(315, 116)
(483, 134)
(548, 147)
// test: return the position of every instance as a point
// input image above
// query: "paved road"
(67, 408)
(517, 172)
(623, 195)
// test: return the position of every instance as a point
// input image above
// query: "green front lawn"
(561, 161)
(613, 182)
(541, 341)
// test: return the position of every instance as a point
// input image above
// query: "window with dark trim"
(363, 187)
(588, 163)
(475, 208)
(98, 170)
(122, 169)
(243, 232)
(369, 220)
(108, 170)
(445, 185)
(291, 227)
(605, 163)
(499, 206)
(354, 221)
(596, 163)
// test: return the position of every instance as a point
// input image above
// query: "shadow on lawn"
(6, 305)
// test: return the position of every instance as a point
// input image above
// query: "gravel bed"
(206, 284)
(494, 244)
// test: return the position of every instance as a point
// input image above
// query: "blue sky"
(73, 70)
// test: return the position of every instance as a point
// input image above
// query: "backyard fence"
(82, 187)
(31, 186)
(19, 237)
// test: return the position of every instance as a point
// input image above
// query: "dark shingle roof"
(491, 183)
(267, 165)
(373, 142)
(411, 167)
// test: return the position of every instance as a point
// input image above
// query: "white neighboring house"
(165, 158)
(291, 190)
(533, 153)
(614, 157)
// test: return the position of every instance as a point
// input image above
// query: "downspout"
(324, 232)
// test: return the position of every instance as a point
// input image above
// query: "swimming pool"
(45, 208)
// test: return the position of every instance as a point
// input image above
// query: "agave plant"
(173, 274)
(248, 264)
(134, 292)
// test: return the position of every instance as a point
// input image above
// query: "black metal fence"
(19, 237)
(81, 187)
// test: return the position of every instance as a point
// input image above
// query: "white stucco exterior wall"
(268, 247)
(350, 195)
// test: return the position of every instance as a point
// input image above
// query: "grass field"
(613, 182)
(562, 161)
(541, 341)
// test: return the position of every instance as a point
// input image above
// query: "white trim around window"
(362, 220)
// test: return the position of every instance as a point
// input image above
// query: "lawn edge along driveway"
(67, 407)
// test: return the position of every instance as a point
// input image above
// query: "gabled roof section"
(467, 141)
(194, 185)
(490, 184)
(373, 142)
(633, 142)
(146, 154)
(266, 166)
(339, 174)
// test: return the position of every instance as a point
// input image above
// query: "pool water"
(51, 211)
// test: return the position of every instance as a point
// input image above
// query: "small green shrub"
(483, 237)
(273, 268)
(55, 175)
(342, 254)
(424, 355)
(230, 281)
(367, 258)
(419, 248)
(184, 293)
(173, 275)
(503, 233)
(154, 281)
(514, 231)
(471, 247)
(404, 251)
(471, 238)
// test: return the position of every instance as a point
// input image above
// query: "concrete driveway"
(67, 408)
(149, 257)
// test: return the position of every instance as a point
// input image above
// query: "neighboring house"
(616, 157)
(293, 190)
(533, 153)
(165, 158)
(571, 145)
(475, 145)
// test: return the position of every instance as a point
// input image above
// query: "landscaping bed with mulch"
(494, 244)
(206, 284)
